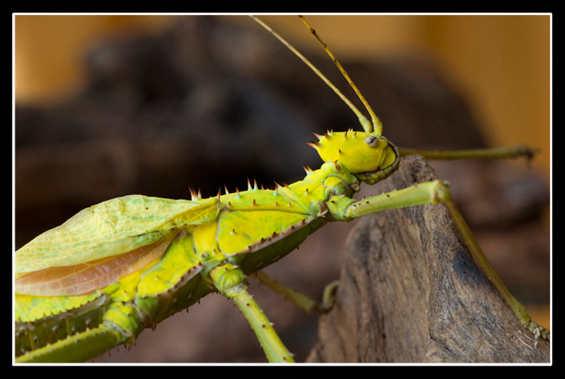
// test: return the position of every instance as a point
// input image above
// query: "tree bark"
(411, 292)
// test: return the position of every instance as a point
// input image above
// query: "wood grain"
(411, 292)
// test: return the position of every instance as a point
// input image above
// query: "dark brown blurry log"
(411, 292)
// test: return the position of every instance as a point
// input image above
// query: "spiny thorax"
(332, 179)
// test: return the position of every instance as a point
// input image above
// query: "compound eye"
(372, 141)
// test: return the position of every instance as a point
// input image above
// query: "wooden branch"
(411, 292)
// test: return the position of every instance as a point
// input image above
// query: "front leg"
(437, 192)
(484, 153)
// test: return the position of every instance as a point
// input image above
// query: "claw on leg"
(538, 330)
(328, 297)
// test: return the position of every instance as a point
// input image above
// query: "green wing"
(111, 228)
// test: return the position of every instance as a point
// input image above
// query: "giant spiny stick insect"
(126, 264)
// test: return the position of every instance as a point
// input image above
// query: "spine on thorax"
(323, 192)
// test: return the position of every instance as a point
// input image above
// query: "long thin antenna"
(367, 126)
(377, 125)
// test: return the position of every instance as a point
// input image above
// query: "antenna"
(376, 125)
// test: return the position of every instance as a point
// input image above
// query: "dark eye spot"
(371, 141)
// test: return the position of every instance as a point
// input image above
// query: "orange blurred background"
(501, 62)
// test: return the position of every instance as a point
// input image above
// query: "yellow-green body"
(249, 229)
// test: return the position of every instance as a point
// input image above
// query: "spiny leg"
(438, 192)
(230, 281)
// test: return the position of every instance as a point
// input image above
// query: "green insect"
(118, 267)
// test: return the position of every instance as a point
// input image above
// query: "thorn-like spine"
(313, 145)
(237, 195)
(249, 185)
(193, 194)
(226, 189)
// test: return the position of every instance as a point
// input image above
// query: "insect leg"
(230, 281)
(491, 153)
(438, 192)
(302, 301)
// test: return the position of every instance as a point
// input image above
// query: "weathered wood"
(411, 292)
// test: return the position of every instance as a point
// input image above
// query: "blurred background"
(113, 105)
(502, 62)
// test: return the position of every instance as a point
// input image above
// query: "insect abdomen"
(62, 320)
